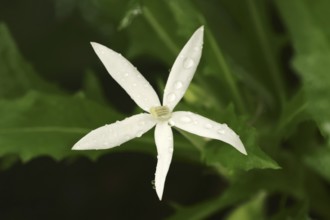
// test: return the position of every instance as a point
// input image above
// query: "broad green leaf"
(226, 159)
(16, 74)
(312, 55)
(222, 156)
(39, 124)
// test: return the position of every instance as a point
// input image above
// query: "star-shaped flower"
(159, 115)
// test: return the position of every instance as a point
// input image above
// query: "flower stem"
(274, 70)
(226, 72)
(160, 31)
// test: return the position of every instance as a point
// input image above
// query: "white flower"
(160, 115)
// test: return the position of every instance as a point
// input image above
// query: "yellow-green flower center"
(162, 113)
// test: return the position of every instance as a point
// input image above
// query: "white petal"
(115, 134)
(183, 69)
(205, 127)
(164, 143)
(128, 77)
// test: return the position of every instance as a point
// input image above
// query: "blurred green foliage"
(264, 71)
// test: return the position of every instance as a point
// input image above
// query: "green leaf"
(39, 124)
(312, 54)
(228, 160)
(16, 74)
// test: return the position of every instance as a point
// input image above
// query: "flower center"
(162, 113)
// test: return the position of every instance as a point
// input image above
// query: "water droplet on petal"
(171, 97)
(153, 184)
(171, 123)
(178, 85)
(188, 63)
(208, 126)
(185, 119)
(197, 48)
(139, 133)
(221, 131)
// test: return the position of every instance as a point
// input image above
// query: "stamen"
(160, 113)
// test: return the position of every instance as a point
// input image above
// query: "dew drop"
(178, 85)
(188, 63)
(221, 131)
(171, 97)
(197, 48)
(185, 119)
(141, 123)
(153, 184)
(139, 133)
(208, 126)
